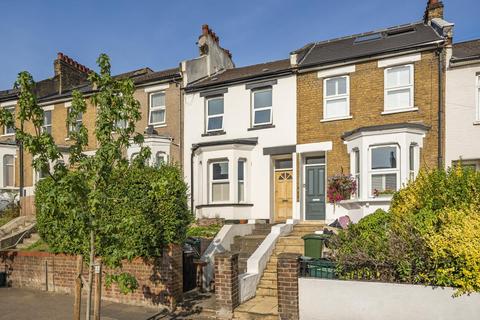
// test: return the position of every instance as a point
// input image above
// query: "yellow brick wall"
(366, 106)
(59, 128)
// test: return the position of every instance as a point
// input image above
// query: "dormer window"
(399, 88)
(157, 108)
(262, 107)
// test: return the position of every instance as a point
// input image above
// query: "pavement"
(26, 304)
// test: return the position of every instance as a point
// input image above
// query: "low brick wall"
(160, 281)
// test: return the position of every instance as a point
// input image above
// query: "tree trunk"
(98, 290)
(78, 289)
(90, 275)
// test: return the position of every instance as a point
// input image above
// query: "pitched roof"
(366, 44)
(47, 89)
(466, 50)
(243, 73)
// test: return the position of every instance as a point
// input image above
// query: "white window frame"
(151, 109)
(357, 169)
(411, 86)
(244, 163)
(477, 97)
(336, 97)
(44, 126)
(255, 110)
(5, 128)
(158, 155)
(372, 172)
(218, 181)
(4, 169)
(220, 115)
(70, 127)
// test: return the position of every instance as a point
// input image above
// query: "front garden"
(431, 235)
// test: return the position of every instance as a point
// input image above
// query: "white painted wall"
(462, 125)
(341, 300)
(237, 113)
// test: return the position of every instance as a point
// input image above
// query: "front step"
(246, 245)
(265, 304)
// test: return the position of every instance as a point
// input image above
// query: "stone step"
(269, 292)
(293, 241)
(267, 283)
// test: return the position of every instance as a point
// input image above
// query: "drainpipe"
(22, 174)
(440, 107)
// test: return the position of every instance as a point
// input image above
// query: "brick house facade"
(374, 110)
(54, 95)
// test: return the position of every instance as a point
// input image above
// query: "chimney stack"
(69, 72)
(434, 10)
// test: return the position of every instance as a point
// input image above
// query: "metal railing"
(317, 268)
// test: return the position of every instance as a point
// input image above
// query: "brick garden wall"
(160, 282)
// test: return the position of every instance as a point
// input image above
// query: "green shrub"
(203, 231)
(363, 247)
(430, 236)
(147, 209)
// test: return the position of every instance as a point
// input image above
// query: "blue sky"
(159, 34)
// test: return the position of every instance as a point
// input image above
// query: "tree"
(81, 208)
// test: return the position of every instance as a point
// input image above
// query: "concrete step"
(294, 241)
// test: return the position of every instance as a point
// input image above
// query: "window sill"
(336, 119)
(158, 125)
(400, 110)
(476, 123)
(214, 133)
(8, 135)
(224, 204)
(260, 127)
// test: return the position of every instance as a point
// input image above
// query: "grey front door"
(315, 192)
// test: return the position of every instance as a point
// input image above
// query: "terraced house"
(159, 95)
(370, 105)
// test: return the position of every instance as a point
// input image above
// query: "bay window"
(215, 110)
(160, 158)
(262, 106)
(399, 88)
(219, 181)
(356, 170)
(384, 170)
(156, 114)
(241, 180)
(336, 100)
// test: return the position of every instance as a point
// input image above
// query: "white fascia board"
(314, 147)
(399, 60)
(157, 88)
(8, 103)
(336, 71)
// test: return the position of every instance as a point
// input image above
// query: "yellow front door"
(283, 195)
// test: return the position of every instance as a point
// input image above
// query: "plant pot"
(243, 221)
